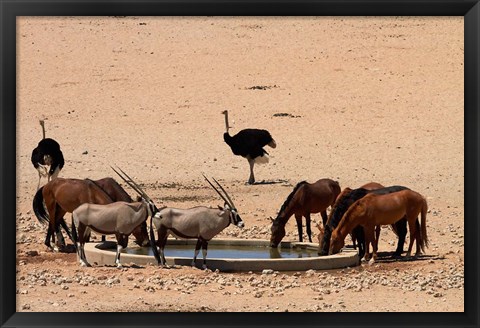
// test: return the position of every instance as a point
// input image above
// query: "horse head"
(278, 232)
(336, 243)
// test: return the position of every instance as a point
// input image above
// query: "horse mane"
(342, 205)
(104, 191)
(289, 198)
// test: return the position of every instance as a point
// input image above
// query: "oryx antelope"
(199, 222)
(119, 218)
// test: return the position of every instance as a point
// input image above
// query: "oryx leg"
(298, 217)
(83, 234)
(309, 228)
(204, 252)
(197, 250)
(122, 241)
(251, 179)
(161, 242)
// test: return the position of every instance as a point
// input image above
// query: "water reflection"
(232, 252)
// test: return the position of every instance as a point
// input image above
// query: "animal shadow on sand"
(268, 182)
(389, 257)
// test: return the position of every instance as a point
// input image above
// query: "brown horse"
(373, 210)
(62, 196)
(306, 198)
(346, 198)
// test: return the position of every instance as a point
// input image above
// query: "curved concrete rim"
(347, 258)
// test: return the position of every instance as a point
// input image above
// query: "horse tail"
(423, 235)
(153, 243)
(74, 235)
(38, 207)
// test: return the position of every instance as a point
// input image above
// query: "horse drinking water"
(373, 210)
(306, 198)
(346, 198)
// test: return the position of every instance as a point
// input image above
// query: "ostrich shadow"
(269, 182)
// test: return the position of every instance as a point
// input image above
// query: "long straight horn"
(225, 192)
(132, 184)
(218, 192)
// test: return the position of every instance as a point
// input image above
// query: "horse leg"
(204, 252)
(298, 217)
(412, 228)
(401, 228)
(47, 240)
(418, 238)
(251, 179)
(370, 234)
(197, 250)
(309, 228)
(59, 213)
(324, 217)
(377, 233)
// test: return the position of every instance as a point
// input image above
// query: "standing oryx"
(199, 222)
(119, 218)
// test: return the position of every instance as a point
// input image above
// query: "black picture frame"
(11, 9)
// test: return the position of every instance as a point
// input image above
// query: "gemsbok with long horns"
(199, 222)
(118, 218)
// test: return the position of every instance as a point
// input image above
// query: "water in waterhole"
(229, 252)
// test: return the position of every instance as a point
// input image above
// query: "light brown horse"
(62, 196)
(373, 210)
(346, 198)
(306, 198)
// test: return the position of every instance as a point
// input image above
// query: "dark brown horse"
(344, 201)
(306, 198)
(62, 196)
(373, 210)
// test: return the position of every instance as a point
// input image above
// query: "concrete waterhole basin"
(228, 255)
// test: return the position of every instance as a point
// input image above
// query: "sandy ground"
(368, 99)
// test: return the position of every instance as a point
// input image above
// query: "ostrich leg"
(251, 180)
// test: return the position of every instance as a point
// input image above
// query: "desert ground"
(354, 99)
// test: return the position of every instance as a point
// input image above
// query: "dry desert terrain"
(354, 99)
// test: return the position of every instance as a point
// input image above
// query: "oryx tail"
(74, 236)
(153, 243)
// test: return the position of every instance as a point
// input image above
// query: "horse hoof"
(371, 262)
(204, 267)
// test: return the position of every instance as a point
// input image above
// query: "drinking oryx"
(199, 222)
(118, 218)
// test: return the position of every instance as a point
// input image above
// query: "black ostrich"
(249, 143)
(47, 153)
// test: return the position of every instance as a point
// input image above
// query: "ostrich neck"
(43, 129)
(226, 121)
